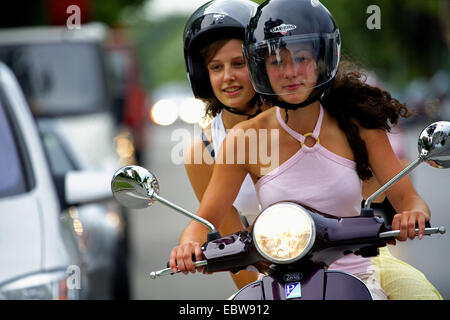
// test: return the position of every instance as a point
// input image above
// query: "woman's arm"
(199, 174)
(216, 196)
(385, 165)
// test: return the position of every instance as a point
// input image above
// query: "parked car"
(37, 247)
(101, 235)
(64, 77)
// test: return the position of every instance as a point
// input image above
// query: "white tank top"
(246, 201)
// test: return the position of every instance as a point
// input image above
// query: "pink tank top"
(320, 179)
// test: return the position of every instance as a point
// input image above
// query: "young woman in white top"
(218, 75)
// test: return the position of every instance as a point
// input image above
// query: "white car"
(64, 78)
(39, 254)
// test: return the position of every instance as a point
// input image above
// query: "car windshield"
(59, 78)
(12, 180)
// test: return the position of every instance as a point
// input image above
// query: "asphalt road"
(157, 229)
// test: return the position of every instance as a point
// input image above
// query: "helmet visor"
(293, 65)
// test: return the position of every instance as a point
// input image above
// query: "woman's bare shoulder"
(262, 121)
(196, 147)
(371, 136)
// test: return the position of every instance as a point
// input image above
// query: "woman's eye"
(215, 67)
(276, 62)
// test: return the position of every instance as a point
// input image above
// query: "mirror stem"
(404, 172)
(185, 212)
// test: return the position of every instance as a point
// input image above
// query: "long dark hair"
(351, 101)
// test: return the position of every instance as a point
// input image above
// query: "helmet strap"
(255, 100)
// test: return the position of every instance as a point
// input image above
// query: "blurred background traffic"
(105, 85)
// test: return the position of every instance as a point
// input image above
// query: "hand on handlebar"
(181, 257)
(407, 222)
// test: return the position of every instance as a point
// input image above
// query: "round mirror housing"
(134, 187)
(434, 144)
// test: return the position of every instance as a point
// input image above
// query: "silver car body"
(65, 68)
(34, 248)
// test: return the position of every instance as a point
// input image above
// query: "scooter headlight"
(284, 232)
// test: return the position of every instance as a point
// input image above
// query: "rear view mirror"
(434, 148)
(434, 144)
(134, 187)
(137, 188)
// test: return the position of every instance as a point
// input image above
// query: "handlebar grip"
(167, 271)
(428, 231)
(193, 259)
(427, 225)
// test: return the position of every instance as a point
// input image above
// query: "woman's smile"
(232, 91)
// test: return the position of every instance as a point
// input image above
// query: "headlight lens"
(42, 286)
(284, 232)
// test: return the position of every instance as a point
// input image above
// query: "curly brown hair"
(351, 100)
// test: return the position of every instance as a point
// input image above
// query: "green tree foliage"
(108, 11)
(160, 48)
(409, 44)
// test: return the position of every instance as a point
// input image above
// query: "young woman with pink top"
(330, 129)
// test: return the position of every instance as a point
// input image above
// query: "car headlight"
(40, 286)
(284, 233)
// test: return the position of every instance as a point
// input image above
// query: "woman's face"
(292, 73)
(229, 76)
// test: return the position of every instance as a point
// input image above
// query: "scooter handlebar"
(168, 271)
(428, 231)
(383, 235)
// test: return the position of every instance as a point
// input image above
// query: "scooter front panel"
(344, 286)
(270, 288)
(252, 291)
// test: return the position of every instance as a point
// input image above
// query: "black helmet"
(215, 20)
(281, 27)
